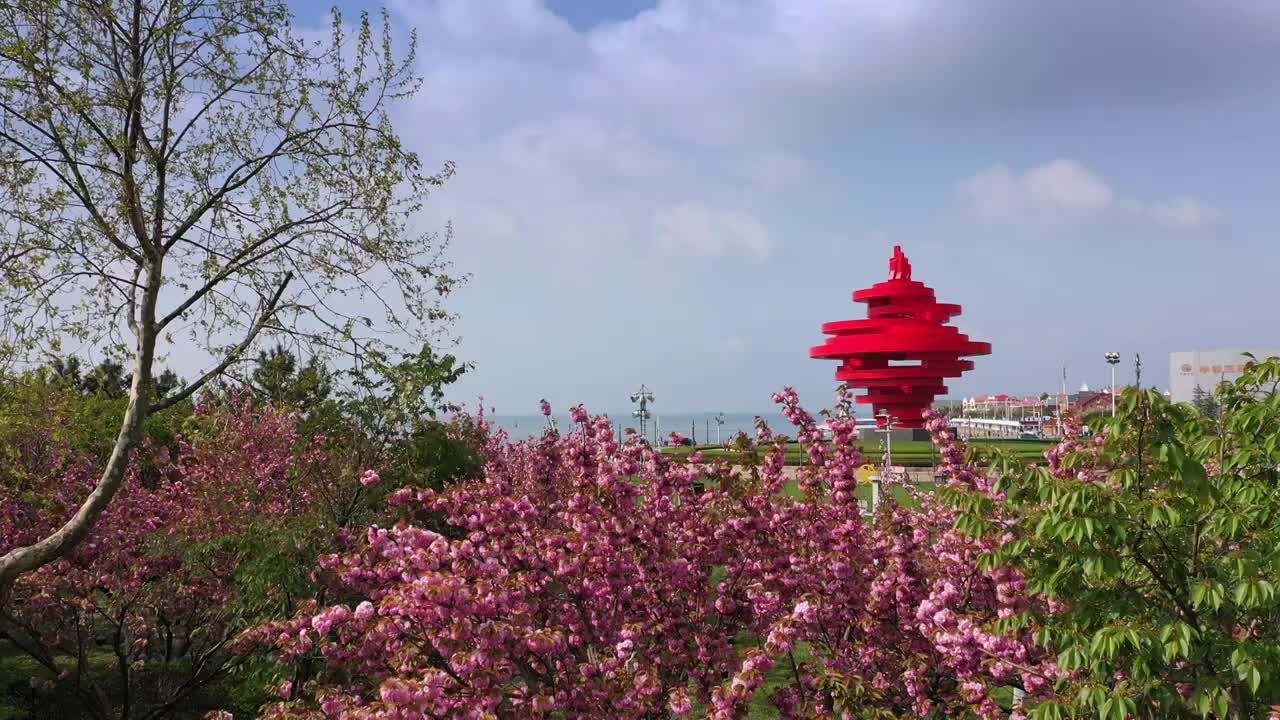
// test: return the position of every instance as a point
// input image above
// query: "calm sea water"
(702, 426)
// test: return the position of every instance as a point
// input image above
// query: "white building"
(1207, 368)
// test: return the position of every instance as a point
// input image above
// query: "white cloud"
(1067, 185)
(993, 194)
(1058, 188)
(688, 229)
(698, 90)
(567, 144)
(695, 94)
(1063, 190)
(574, 147)
(1185, 213)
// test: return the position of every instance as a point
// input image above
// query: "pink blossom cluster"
(158, 571)
(573, 589)
(583, 577)
(1075, 441)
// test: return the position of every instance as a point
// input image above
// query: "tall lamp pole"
(719, 422)
(887, 429)
(1066, 401)
(642, 397)
(1113, 359)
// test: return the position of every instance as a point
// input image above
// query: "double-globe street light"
(642, 397)
(1113, 359)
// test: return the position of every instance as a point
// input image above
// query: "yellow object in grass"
(867, 473)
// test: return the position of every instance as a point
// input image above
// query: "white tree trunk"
(22, 560)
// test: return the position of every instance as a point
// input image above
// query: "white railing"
(986, 427)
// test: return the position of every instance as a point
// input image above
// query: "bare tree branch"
(231, 357)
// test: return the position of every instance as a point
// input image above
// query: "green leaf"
(1244, 595)
(1202, 702)
(1049, 710)
(1071, 658)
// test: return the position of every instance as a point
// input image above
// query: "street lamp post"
(1113, 358)
(719, 422)
(888, 420)
(642, 397)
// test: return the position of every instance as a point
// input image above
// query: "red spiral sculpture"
(904, 348)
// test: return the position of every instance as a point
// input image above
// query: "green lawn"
(18, 699)
(239, 693)
(909, 453)
(900, 493)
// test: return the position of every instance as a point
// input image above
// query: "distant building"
(1206, 368)
(1093, 402)
(1038, 415)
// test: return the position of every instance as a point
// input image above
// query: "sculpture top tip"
(899, 265)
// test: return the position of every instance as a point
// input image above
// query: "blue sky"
(680, 192)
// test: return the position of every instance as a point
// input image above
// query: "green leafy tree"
(385, 411)
(278, 379)
(393, 395)
(387, 417)
(1205, 402)
(66, 371)
(1155, 550)
(194, 174)
(106, 378)
(166, 383)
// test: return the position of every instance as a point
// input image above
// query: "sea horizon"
(701, 426)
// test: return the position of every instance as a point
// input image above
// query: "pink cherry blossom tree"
(141, 618)
(590, 578)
